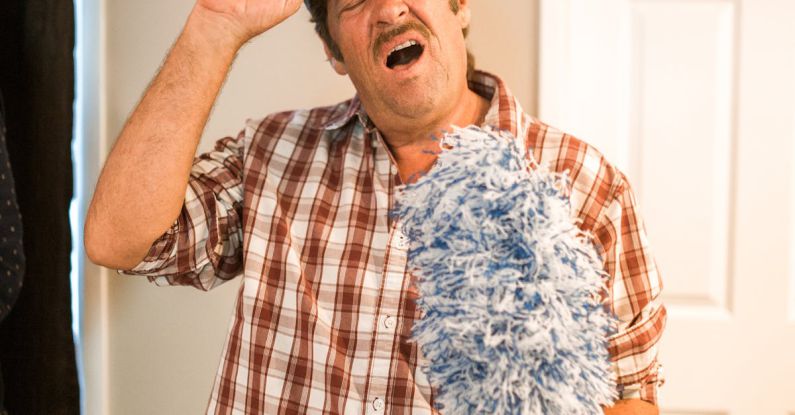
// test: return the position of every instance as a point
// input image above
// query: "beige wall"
(164, 344)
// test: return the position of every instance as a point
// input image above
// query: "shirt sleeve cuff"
(159, 253)
(646, 389)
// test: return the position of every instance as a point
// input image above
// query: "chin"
(419, 99)
(416, 106)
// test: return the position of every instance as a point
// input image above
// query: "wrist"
(214, 31)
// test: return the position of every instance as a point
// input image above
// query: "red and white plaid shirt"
(298, 204)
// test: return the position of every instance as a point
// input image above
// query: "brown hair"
(319, 12)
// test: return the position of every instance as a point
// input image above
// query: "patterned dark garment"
(12, 259)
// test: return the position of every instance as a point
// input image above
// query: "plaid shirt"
(298, 204)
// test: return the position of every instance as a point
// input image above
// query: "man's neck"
(469, 110)
(414, 147)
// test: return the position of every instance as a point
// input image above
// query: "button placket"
(386, 320)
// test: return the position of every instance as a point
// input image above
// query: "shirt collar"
(505, 113)
(348, 110)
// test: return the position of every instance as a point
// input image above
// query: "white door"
(695, 101)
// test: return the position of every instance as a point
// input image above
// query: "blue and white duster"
(510, 288)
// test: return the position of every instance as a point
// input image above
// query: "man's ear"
(339, 67)
(464, 13)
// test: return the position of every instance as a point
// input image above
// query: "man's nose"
(391, 12)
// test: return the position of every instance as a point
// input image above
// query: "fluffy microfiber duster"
(509, 287)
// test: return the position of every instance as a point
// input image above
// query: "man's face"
(406, 58)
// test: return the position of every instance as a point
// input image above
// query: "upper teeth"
(403, 45)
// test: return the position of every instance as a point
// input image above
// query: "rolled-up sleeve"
(203, 248)
(634, 288)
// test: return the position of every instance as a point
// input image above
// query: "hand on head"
(248, 18)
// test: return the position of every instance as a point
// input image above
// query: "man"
(298, 204)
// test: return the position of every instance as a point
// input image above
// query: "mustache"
(385, 37)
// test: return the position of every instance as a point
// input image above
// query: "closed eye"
(350, 6)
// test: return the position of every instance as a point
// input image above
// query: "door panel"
(695, 101)
(682, 102)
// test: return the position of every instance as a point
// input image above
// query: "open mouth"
(404, 54)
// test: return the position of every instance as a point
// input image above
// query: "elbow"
(104, 249)
(95, 251)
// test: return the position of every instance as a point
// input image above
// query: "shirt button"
(400, 240)
(378, 404)
(389, 322)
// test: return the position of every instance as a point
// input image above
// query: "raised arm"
(142, 186)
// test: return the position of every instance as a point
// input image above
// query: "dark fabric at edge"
(37, 352)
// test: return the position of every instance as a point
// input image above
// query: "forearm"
(142, 186)
(632, 407)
